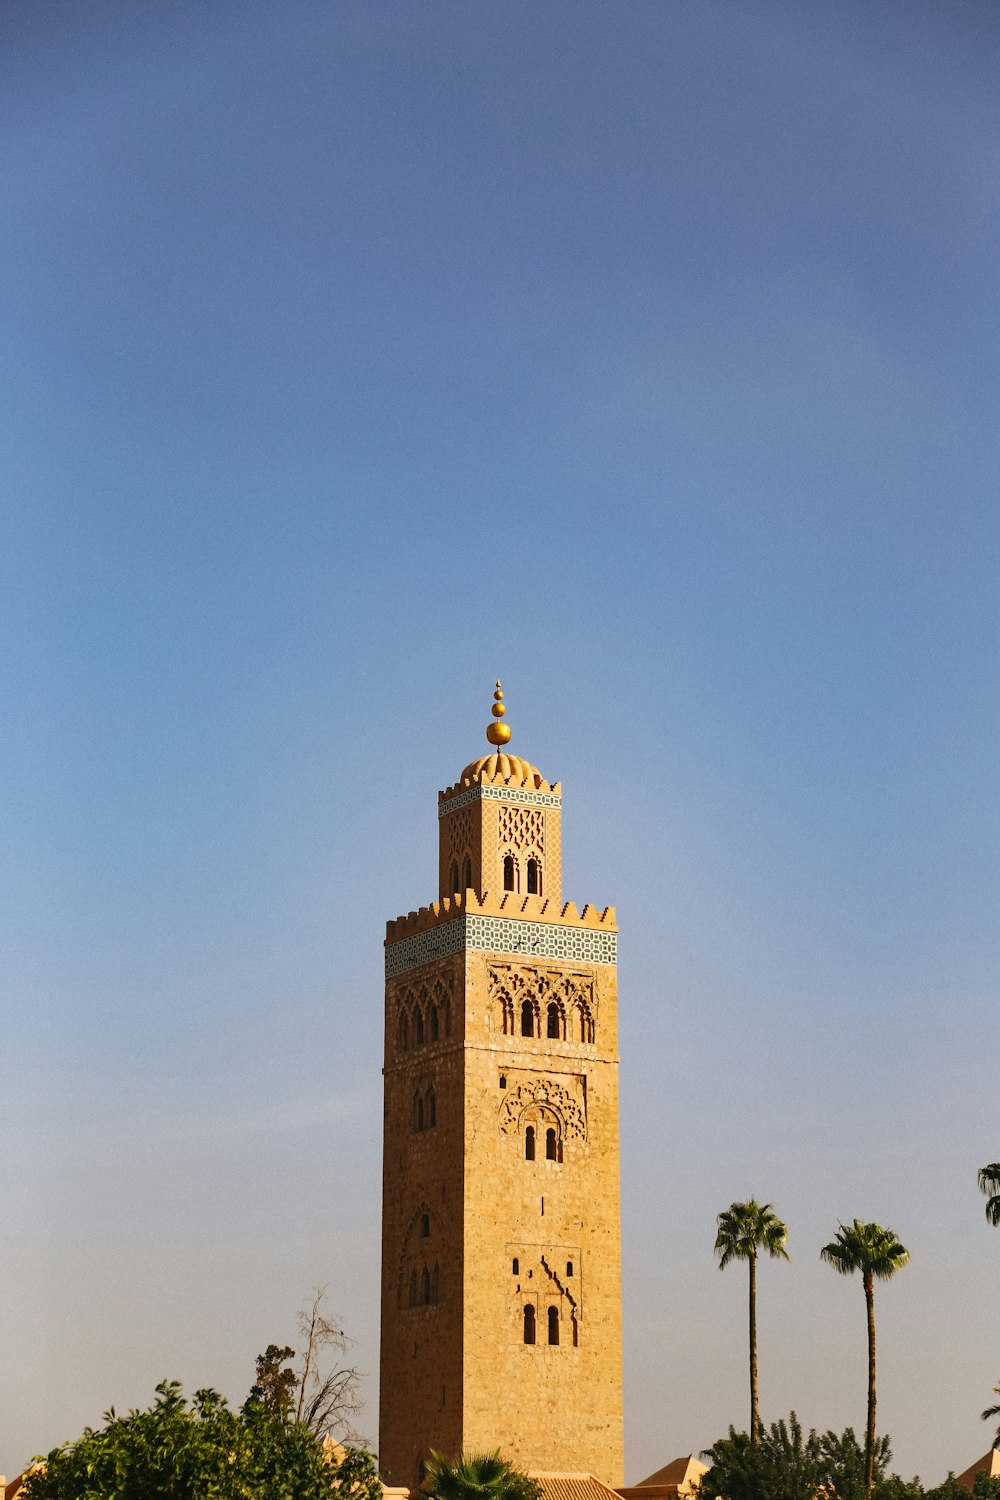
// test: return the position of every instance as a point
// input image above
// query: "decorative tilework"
(501, 935)
(523, 795)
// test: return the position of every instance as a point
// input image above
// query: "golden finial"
(498, 734)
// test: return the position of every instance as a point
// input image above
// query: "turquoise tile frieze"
(501, 935)
(522, 795)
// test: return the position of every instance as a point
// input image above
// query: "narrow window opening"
(534, 880)
(432, 1108)
(418, 1027)
(553, 1028)
(551, 1145)
(420, 1114)
(553, 1325)
(529, 1323)
(527, 1018)
(569, 1268)
(576, 1334)
(447, 1018)
(425, 1226)
(508, 872)
(435, 1026)
(454, 879)
(529, 1143)
(468, 874)
(425, 1287)
(543, 1208)
(503, 1080)
(515, 1267)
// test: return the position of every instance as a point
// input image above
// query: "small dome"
(500, 766)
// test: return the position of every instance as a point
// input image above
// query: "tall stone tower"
(501, 1280)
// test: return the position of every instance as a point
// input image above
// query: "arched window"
(425, 1287)
(527, 1018)
(425, 1226)
(553, 1325)
(418, 1026)
(432, 1116)
(454, 879)
(551, 1145)
(586, 1025)
(508, 872)
(529, 1143)
(468, 874)
(420, 1114)
(435, 1028)
(413, 1287)
(569, 1268)
(534, 878)
(515, 1267)
(529, 1323)
(554, 1021)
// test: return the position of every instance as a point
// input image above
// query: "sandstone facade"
(501, 1283)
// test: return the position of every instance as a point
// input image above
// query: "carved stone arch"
(545, 1092)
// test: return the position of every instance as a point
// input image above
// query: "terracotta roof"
(677, 1471)
(679, 1477)
(988, 1464)
(573, 1487)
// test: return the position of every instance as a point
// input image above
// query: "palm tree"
(477, 1476)
(993, 1411)
(875, 1252)
(744, 1229)
(989, 1183)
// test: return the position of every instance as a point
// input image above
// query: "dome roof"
(500, 766)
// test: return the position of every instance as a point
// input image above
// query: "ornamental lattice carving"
(460, 832)
(543, 1091)
(523, 829)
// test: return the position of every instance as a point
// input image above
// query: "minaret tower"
(501, 1280)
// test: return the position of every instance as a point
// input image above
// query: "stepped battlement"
(507, 904)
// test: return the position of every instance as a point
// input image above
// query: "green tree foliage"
(989, 1183)
(781, 1465)
(274, 1389)
(787, 1464)
(477, 1476)
(176, 1450)
(745, 1230)
(877, 1254)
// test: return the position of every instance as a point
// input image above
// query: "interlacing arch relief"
(418, 1282)
(424, 1106)
(542, 1003)
(545, 1096)
(423, 1014)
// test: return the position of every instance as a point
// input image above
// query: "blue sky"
(356, 354)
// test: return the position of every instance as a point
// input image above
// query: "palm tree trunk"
(754, 1418)
(870, 1435)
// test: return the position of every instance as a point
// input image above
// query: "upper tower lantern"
(500, 825)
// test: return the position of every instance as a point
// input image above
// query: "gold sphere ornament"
(498, 734)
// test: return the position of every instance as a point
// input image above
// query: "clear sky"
(645, 355)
